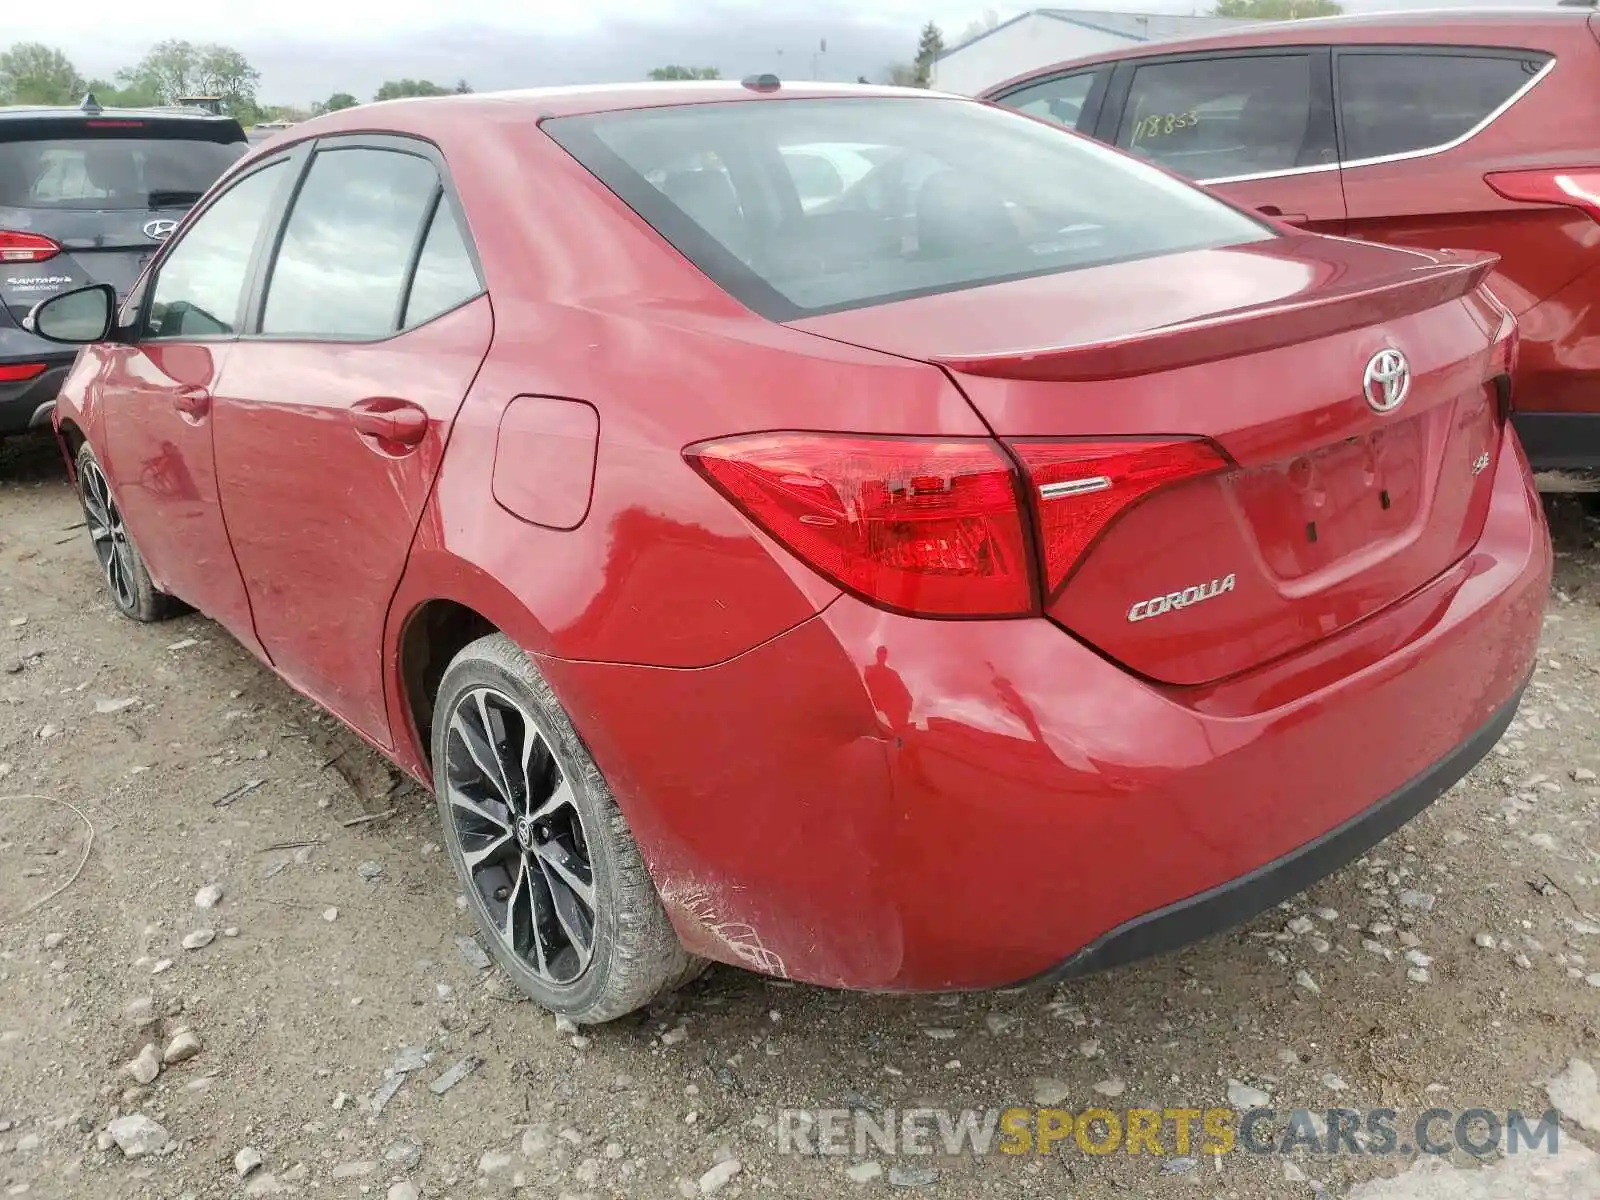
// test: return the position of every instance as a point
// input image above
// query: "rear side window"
(445, 274)
(1396, 103)
(946, 194)
(1062, 99)
(200, 288)
(111, 173)
(347, 248)
(1213, 118)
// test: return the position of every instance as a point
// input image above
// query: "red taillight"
(1574, 187)
(20, 372)
(926, 527)
(26, 247)
(1080, 487)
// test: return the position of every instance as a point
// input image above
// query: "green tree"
(901, 75)
(929, 46)
(463, 88)
(112, 96)
(662, 74)
(33, 73)
(337, 103)
(176, 68)
(226, 73)
(1277, 10)
(400, 89)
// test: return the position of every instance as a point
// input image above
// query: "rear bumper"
(1238, 900)
(881, 802)
(28, 405)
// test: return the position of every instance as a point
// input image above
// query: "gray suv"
(87, 195)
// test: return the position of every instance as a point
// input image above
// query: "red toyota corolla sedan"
(873, 538)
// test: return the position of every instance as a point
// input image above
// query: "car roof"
(1430, 26)
(421, 113)
(36, 112)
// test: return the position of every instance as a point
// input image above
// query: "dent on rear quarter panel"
(751, 827)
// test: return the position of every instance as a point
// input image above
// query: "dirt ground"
(338, 947)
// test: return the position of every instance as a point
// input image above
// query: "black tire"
(122, 568)
(526, 886)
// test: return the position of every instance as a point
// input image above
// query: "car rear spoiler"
(1321, 313)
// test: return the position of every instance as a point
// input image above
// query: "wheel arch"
(443, 604)
(432, 635)
(70, 437)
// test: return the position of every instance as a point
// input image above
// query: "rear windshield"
(798, 207)
(111, 173)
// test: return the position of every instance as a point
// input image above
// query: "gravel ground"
(1458, 966)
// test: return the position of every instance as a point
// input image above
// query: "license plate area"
(1309, 512)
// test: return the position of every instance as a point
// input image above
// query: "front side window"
(1061, 100)
(941, 194)
(200, 288)
(1212, 118)
(1396, 103)
(347, 248)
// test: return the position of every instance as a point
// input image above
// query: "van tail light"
(1573, 187)
(26, 247)
(20, 372)
(1081, 487)
(927, 527)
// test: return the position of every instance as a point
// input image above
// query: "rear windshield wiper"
(173, 199)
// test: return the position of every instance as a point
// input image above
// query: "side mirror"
(77, 317)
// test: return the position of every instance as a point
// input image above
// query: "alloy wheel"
(109, 535)
(521, 836)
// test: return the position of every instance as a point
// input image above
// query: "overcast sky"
(307, 49)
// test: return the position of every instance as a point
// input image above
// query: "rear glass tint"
(1061, 99)
(1214, 118)
(1395, 103)
(111, 173)
(797, 207)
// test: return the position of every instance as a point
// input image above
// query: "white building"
(1050, 35)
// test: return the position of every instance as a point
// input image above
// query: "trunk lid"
(1326, 509)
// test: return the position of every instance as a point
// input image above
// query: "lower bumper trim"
(1236, 901)
(1559, 441)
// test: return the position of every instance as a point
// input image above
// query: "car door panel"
(322, 514)
(156, 392)
(329, 426)
(166, 487)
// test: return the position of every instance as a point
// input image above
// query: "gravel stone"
(146, 1065)
(136, 1135)
(719, 1176)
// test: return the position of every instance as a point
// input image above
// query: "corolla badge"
(1158, 606)
(161, 230)
(1387, 380)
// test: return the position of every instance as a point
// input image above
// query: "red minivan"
(1464, 130)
